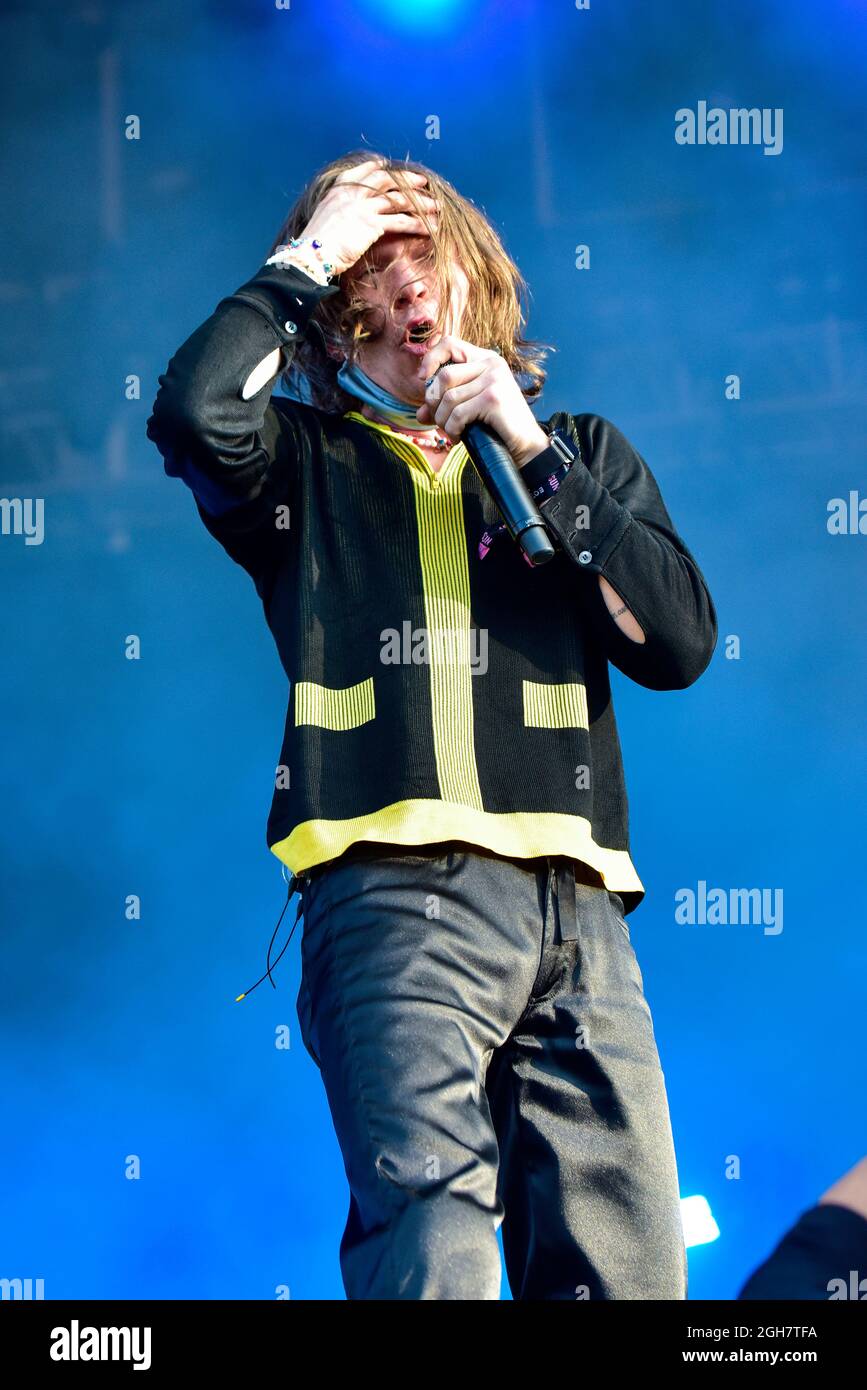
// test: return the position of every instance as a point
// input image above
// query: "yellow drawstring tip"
(240, 997)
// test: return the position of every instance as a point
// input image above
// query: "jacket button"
(290, 326)
(585, 557)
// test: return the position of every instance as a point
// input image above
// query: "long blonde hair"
(494, 316)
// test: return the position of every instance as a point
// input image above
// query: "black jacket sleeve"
(238, 457)
(610, 519)
(815, 1259)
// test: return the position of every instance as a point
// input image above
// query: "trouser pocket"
(616, 903)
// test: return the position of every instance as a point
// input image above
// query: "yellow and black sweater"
(434, 696)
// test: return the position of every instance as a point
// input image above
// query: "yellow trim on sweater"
(514, 835)
(330, 708)
(446, 586)
(412, 453)
(548, 706)
(459, 815)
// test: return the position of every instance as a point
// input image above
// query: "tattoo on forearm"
(615, 612)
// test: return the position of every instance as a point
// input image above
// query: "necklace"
(424, 441)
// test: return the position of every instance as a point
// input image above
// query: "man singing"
(450, 793)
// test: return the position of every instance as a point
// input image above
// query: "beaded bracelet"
(294, 253)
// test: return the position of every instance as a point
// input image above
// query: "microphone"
(499, 474)
(502, 479)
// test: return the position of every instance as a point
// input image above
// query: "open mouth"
(417, 336)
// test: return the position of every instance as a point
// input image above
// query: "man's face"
(390, 356)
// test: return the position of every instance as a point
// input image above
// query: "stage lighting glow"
(699, 1226)
(428, 17)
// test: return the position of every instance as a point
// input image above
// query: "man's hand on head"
(364, 203)
(465, 384)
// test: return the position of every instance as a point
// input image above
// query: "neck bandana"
(357, 383)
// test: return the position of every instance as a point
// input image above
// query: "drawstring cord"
(292, 881)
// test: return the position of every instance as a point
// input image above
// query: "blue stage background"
(153, 777)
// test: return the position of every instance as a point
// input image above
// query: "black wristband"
(544, 473)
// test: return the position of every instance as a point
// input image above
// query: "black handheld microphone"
(496, 468)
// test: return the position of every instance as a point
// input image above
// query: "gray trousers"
(488, 1057)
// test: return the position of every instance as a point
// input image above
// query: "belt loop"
(567, 898)
(548, 886)
(553, 880)
(552, 902)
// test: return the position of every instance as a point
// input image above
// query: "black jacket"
(348, 536)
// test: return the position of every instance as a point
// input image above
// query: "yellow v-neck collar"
(412, 453)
